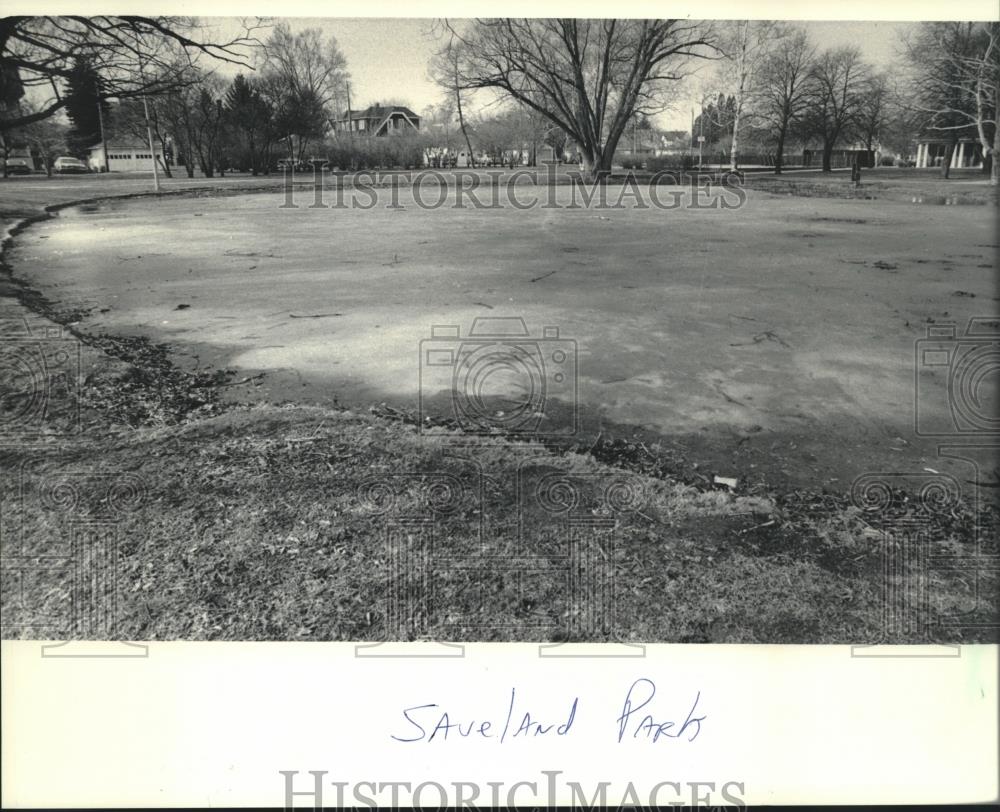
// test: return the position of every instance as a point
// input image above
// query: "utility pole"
(149, 130)
(701, 135)
(350, 124)
(104, 140)
(152, 151)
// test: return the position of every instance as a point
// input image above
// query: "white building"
(124, 157)
(931, 152)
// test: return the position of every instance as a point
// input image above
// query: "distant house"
(676, 141)
(842, 157)
(123, 156)
(379, 120)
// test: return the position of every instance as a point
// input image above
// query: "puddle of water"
(947, 200)
(93, 208)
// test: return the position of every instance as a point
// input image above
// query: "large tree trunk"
(205, 164)
(733, 147)
(827, 156)
(596, 162)
(164, 163)
(946, 161)
(992, 155)
(461, 124)
(779, 158)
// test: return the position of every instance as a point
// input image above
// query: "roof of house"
(122, 145)
(379, 111)
(945, 139)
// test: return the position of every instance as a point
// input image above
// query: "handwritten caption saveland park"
(638, 718)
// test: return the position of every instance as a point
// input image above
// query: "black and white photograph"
(461, 348)
(541, 330)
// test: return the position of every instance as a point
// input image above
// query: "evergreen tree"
(84, 92)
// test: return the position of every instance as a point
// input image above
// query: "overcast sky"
(388, 58)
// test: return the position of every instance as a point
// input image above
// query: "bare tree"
(445, 69)
(586, 76)
(874, 111)
(129, 116)
(46, 137)
(838, 81)
(305, 62)
(747, 44)
(208, 118)
(955, 75)
(305, 80)
(438, 132)
(127, 52)
(784, 86)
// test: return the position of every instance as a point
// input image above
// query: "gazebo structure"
(931, 151)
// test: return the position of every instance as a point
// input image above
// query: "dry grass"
(272, 523)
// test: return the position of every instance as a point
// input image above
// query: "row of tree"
(577, 84)
(781, 87)
(134, 76)
(590, 78)
(288, 103)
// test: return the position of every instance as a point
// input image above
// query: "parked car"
(67, 166)
(19, 166)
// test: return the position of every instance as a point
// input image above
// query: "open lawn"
(773, 344)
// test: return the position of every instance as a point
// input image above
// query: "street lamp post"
(701, 134)
(149, 129)
(104, 140)
(152, 151)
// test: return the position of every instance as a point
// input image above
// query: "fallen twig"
(755, 527)
(256, 377)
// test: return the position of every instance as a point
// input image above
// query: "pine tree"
(84, 92)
